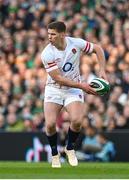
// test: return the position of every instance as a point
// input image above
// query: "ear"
(63, 34)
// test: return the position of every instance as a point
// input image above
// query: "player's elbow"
(97, 48)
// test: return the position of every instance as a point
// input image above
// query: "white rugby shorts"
(63, 96)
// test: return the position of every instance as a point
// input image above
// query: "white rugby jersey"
(67, 61)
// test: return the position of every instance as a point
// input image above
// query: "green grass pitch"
(22, 170)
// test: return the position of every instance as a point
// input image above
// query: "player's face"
(55, 37)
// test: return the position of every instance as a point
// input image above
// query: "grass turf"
(22, 170)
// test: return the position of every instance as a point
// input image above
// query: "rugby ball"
(100, 85)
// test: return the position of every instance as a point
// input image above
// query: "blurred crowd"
(23, 35)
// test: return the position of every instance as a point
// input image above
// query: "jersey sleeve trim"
(51, 66)
(52, 63)
(88, 48)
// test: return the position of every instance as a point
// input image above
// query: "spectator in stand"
(122, 123)
(90, 144)
(14, 124)
(107, 152)
(2, 123)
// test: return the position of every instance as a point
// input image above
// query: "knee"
(76, 124)
(50, 128)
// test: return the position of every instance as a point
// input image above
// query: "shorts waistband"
(58, 86)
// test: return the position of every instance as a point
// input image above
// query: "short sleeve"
(85, 46)
(48, 60)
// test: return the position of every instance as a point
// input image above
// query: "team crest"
(74, 51)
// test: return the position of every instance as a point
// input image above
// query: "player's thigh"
(51, 111)
(76, 111)
(53, 102)
(74, 104)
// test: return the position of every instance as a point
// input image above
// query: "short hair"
(59, 26)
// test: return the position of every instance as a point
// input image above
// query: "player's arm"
(88, 47)
(63, 81)
(101, 60)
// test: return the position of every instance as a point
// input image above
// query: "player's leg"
(76, 113)
(51, 112)
(75, 110)
(75, 107)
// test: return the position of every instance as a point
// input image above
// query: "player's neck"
(62, 45)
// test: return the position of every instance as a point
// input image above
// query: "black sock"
(53, 143)
(72, 137)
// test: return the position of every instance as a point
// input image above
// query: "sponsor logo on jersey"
(67, 67)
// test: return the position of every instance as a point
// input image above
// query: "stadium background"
(23, 36)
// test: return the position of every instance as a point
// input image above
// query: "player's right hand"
(88, 89)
